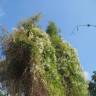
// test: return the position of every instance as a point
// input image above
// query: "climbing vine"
(40, 63)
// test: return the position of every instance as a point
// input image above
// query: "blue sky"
(67, 14)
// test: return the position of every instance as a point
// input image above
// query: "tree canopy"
(39, 63)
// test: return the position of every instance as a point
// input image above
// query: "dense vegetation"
(39, 63)
(92, 85)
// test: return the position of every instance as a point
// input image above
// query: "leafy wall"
(40, 63)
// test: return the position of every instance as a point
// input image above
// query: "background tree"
(92, 85)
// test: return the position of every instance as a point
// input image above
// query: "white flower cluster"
(41, 39)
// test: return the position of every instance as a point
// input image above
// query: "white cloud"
(87, 75)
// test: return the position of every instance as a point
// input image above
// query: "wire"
(77, 27)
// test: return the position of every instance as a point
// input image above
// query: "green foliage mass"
(68, 66)
(1, 94)
(41, 64)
